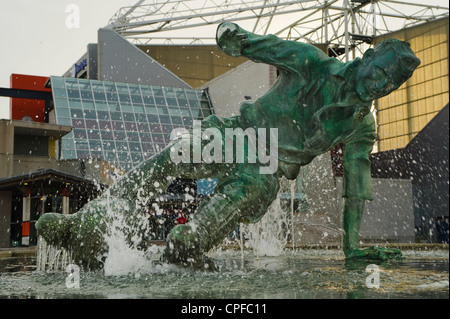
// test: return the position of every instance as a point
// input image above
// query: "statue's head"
(384, 68)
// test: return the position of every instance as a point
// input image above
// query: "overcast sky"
(39, 37)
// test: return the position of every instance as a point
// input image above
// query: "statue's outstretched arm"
(285, 55)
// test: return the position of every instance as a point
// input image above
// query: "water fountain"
(252, 271)
(257, 269)
(293, 274)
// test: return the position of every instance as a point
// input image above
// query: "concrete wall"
(228, 90)
(121, 61)
(319, 220)
(12, 164)
(388, 218)
(6, 148)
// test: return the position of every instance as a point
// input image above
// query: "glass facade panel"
(75, 103)
(122, 123)
(149, 100)
(160, 100)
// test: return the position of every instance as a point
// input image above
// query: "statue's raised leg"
(243, 197)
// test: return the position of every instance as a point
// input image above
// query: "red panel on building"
(25, 229)
(26, 108)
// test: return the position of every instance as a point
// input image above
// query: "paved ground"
(31, 251)
(18, 252)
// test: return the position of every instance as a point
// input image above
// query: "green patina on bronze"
(317, 103)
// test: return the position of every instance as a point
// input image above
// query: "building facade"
(405, 112)
(33, 180)
(57, 154)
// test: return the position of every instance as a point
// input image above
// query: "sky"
(42, 37)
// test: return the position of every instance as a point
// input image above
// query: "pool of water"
(312, 274)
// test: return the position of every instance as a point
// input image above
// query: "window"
(122, 123)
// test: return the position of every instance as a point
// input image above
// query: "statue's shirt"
(313, 103)
(314, 106)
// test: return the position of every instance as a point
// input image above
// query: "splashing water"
(269, 236)
(123, 238)
(292, 184)
(121, 258)
(123, 255)
(51, 258)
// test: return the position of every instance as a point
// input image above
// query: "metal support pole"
(346, 35)
(374, 19)
(325, 24)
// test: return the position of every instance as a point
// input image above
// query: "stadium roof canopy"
(347, 26)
